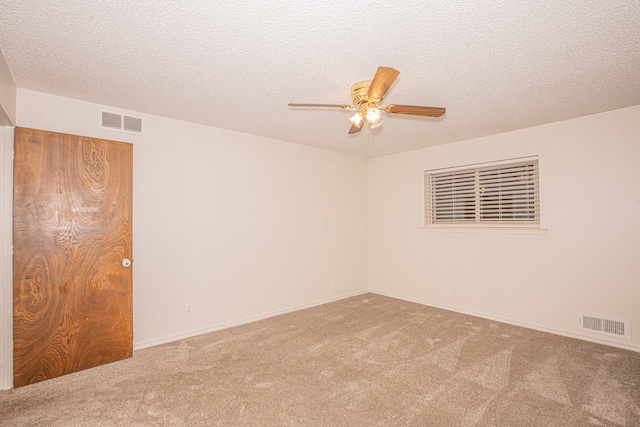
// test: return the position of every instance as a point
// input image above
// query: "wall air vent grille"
(120, 122)
(110, 120)
(612, 327)
(132, 124)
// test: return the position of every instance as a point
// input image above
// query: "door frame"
(6, 260)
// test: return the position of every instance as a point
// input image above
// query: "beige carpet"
(363, 361)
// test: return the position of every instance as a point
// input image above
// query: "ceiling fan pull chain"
(366, 135)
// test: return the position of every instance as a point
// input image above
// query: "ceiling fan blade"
(355, 128)
(415, 110)
(346, 107)
(384, 78)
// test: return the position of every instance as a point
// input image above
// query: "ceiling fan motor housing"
(359, 93)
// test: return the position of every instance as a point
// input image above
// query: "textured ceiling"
(495, 65)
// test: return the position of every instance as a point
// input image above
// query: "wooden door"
(72, 291)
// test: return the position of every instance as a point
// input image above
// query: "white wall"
(7, 94)
(240, 226)
(587, 262)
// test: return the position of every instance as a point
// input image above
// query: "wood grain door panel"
(72, 229)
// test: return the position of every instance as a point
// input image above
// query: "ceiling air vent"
(120, 122)
(601, 325)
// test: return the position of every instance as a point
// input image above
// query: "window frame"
(464, 210)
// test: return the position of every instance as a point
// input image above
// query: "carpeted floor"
(363, 361)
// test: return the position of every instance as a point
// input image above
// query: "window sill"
(483, 230)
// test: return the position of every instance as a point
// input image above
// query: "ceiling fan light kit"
(357, 118)
(373, 114)
(366, 97)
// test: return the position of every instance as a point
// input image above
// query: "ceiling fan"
(367, 96)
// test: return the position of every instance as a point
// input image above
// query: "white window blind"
(486, 195)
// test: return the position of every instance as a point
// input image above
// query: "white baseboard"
(513, 322)
(164, 340)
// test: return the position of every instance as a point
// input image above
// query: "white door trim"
(6, 262)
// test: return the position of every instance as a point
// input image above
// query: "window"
(488, 194)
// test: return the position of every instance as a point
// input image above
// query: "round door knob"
(126, 263)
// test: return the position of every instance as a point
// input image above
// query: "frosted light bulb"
(356, 119)
(373, 115)
(375, 125)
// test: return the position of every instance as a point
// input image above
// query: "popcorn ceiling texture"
(496, 66)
